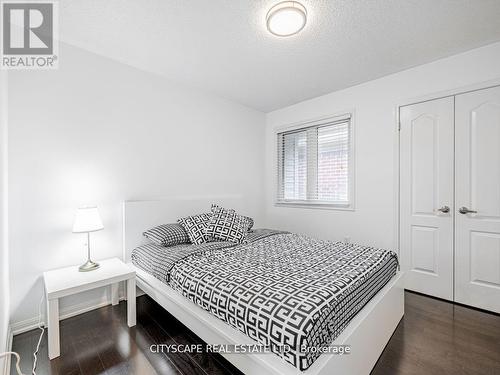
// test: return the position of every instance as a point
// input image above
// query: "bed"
(278, 289)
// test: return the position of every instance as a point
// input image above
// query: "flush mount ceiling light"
(286, 18)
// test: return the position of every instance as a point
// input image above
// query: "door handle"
(444, 209)
(465, 210)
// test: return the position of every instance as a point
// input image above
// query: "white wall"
(374, 220)
(100, 132)
(4, 259)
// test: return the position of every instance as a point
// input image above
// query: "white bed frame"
(367, 333)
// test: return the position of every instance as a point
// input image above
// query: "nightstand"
(67, 281)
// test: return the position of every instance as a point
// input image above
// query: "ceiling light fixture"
(286, 18)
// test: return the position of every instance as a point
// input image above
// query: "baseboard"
(23, 326)
(68, 312)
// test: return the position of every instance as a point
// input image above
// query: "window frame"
(302, 125)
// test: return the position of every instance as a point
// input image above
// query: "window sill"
(321, 206)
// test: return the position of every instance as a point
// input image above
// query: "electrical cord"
(42, 328)
(35, 354)
(18, 359)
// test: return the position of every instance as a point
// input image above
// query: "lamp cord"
(42, 328)
(18, 359)
(35, 354)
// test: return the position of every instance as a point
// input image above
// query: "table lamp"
(87, 219)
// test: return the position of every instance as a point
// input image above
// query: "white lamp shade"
(87, 219)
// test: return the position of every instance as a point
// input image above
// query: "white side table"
(67, 281)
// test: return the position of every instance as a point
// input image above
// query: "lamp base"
(88, 266)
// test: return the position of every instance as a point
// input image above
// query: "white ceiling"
(222, 46)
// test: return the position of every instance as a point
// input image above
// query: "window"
(315, 164)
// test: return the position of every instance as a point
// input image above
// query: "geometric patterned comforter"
(281, 288)
(286, 289)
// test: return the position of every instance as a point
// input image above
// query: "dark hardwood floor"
(434, 337)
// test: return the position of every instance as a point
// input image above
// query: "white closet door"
(477, 252)
(426, 141)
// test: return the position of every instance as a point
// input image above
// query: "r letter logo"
(29, 39)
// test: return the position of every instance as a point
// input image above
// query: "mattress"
(280, 289)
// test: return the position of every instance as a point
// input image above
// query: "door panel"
(484, 130)
(424, 249)
(485, 258)
(423, 164)
(477, 262)
(426, 163)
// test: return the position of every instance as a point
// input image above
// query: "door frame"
(397, 144)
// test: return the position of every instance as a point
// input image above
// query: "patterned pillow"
(227, 225)
(196, 226)
(167, 235)
(248, 220)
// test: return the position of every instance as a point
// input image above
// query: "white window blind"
(314, 164)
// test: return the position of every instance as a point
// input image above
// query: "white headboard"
(139, 216)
